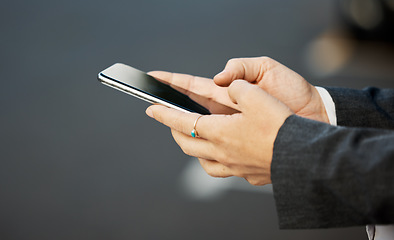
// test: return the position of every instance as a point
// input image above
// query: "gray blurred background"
(79, 160)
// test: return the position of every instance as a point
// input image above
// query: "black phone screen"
(143, 82)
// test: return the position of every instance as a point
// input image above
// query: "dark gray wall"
(81, 161)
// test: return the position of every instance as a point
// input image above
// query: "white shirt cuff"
(328, 104)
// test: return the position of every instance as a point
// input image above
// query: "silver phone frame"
(136, 93)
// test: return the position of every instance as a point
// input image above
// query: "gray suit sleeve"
(325, 176)
(370, 107)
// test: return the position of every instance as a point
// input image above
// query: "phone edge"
(136, 93)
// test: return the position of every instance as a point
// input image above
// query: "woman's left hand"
(240, 144)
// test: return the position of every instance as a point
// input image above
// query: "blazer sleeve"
(325, 176)
(370, 107)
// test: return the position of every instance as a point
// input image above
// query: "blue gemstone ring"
(194, 132)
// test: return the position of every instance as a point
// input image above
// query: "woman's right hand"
(202, 90)
(279, 81)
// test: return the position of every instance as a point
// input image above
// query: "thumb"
(250, 98)
(245, 94)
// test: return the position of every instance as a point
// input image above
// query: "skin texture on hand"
(279, 81)
(238, 144)
(249, 101)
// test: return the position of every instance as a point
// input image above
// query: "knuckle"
(210, 172)
(250, 180)
(254, 181)
(213, 170)
(186, 151)
(265, 59)
(233, 60)
(268, 62)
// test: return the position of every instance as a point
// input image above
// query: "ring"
(194, 132)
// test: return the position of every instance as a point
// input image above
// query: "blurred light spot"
(367, 14)
(390, 4)
(329, 53)
(198, 185)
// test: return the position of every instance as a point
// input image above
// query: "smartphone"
(143, 86)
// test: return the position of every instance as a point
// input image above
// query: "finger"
(179, 82)
(200, 89)
(207, 125)
(255, 101)
(215, 169)
(258, 179)
(246, 95)
(249, 69)
(196, 147)
(185, 83)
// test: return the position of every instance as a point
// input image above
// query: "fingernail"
(149, 112)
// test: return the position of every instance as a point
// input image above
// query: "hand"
(240, 144)
(279, 81)
(202, 90)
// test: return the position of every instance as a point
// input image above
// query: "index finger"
(202, 90)
(206, 127)
(185, 83)
(249, 69)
